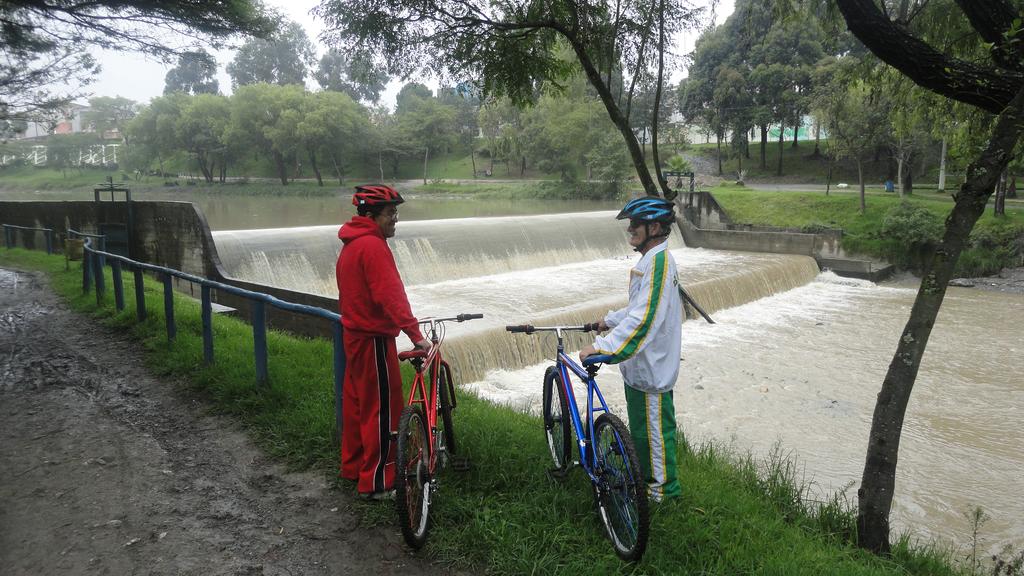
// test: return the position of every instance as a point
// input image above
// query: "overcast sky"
(140, 79)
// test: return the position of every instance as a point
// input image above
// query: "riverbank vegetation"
(899, 230)
(738, 515)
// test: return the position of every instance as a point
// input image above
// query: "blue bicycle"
(606, 451)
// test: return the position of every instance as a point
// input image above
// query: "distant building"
(71, 122)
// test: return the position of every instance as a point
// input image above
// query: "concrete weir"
(176, 235)
(705, 224)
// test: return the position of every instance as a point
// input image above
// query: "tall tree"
(509, 48)
(152, 133)
(110, 114)
(44, 44)
(200, 130)
(263, 119)
(284, 58)
(354, 74)
(195, 73)
(993, 83)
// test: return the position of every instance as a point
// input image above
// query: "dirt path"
(105, 469)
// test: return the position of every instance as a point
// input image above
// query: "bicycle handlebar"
(459, 318)
(530, 329)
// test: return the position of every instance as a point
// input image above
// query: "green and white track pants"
(652, 424)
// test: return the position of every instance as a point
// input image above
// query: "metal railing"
(94, 259)
(10, 230)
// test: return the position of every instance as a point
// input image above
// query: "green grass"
(993, 239)
(505, 515)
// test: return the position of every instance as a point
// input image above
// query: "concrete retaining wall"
(171, 234)
(705, 224)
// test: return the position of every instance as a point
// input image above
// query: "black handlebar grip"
(464, 317)
(520, 328)
(591, 327)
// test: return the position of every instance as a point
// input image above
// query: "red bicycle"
(424, 445)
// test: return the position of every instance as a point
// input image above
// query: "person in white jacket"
(644, 339)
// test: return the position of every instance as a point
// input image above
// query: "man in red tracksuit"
(374, 309)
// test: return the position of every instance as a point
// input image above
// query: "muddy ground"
(105, 469)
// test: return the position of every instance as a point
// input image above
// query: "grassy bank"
(995, 242)
(504, 516)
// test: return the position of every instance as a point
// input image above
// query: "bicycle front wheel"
(556, 421)
(412, 477)
(623, 492)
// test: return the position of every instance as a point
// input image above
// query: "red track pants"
(371, 405)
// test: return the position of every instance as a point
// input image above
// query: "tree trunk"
(908, 183)
(828, 181)
(666, 191)
(899, 174)
(426, 155)
(380, 164)
(764, 146)
(472, 158)
(282, 170)
(1000, 204)
(796, 134)
(942, 167)
(860, 177)
(615, 114)
(316, 169)
(1011, 192)
(781, 136)
(718, 142)
(879, 478)
(337, 168)
(522, 166)
(817, 140)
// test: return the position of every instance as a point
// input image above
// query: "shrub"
(911, 226)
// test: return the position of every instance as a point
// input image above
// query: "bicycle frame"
(426, 394)
(584, 441)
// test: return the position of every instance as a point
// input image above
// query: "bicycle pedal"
(460, 463)
(557, 473)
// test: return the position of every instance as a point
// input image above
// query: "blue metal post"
(259, 339)
(339, 379)
(97, 272)
(115, 269)
(140, 296)
(7, 236)
(172, 330)
(103, 248)
(207, 325)
(49, 241)
(86, 271)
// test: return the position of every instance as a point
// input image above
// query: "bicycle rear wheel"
(556, 421)
(446, 393)
(623, 492)
(412, 477)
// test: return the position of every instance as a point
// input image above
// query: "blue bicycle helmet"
(648, 209)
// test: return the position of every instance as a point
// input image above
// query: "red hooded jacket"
(371, 295)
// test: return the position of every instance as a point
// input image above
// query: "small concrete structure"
(705, 224)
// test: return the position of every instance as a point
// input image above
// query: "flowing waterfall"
(731, 282)
(543, 270)
(427, 251)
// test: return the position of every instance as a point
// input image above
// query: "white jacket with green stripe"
(645, 336)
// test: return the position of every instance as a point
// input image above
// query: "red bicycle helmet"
(376, 195)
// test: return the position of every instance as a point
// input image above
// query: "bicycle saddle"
(410, 354)
(596, 359)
